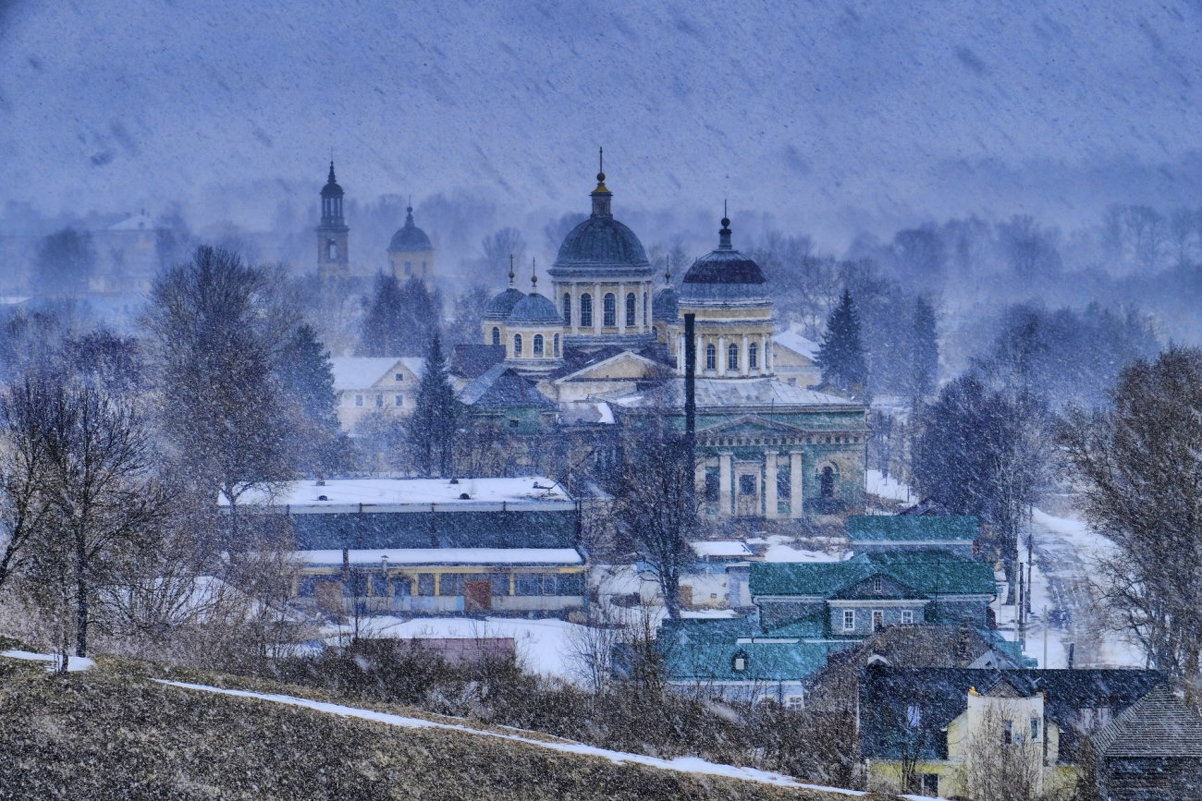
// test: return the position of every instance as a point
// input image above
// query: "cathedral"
(606, 348)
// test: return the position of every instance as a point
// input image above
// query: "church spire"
(601, 195)
(724, 233)
(534, 274)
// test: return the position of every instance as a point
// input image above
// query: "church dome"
(331, 189)
(409, 237)
(534, 308)
(500, 307)
(724, 274)
(601, 246)
(663, 305)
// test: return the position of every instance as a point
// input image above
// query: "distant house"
(938, 730)
(795, 359)
(955, 534)
(855, 598)
(1152, 750)
(499, 545)
(366, 384)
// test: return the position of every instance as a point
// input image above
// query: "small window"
(753, 356)
(517, 344)
(711, 357)
(849, 620)
(358, 400)
(1034, 729)
(408, 268)
(907, 617)
(732, 357)
(795, 702)
(332, 249)
(712, 483)
(739, 662)
(496, 336)
(1008, 732)
(450, 584)
(610, 310)
(400, 377)
(398, 400)
(425, 583)
(379, 400)
(826, 481)
(538, 344)
(630, 307)
(746, 485)
(586, 310)
(556, 341)
(567, 308)
(878, 584)
(878, 619)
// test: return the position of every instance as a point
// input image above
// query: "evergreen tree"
(431, 430)
(381, 332)
(306, 380)
(420, 313)
(65, 262)
(924, 356)
(841, 354)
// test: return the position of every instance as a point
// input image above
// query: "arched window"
(827, 482)
(586, 310)
(496, 336)
(711, 357)
(567, 308)
(556, 341)
(332, 249)
(517, 344)
(610, 308)
(630, 300)
(732, 357)
(753, 356)
(538, 344)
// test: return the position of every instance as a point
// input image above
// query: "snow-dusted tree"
(218, 328)
(841, 354)
(924, 351)
(499, 246)
(655, 501)
(1141, 463)
(430, 432)
(381, 332)
(306, 378)
(421, 316)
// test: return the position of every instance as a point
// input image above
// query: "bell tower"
(332, 234)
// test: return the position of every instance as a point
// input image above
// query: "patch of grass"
(106, 735)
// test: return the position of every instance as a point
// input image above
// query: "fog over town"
(600, 400)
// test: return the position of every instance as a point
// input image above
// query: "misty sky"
(826, 114)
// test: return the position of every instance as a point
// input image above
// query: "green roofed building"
(875, 533)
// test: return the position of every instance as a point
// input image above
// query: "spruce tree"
(841, 354)
(382, 326)
(924, 355)
(306, 378)
(431, 430)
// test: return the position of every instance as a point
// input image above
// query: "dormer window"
(400, 376)
(878, 584)
(739, 662)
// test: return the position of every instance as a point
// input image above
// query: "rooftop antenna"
(511, 269)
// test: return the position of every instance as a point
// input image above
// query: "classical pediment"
(624, 366)
(750, 425)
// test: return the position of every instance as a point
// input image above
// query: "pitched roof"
(471, 360)
(797, 343)
(361, 372)
(500, 387)
(927, 573)
(737, 392)
(1158, 725)
(912, 528)
(709, 660)
(940, 695)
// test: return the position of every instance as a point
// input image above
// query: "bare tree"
(656, 502)
(1141, 464)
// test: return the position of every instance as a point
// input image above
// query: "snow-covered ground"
(693, 765)
(52, 661)
(877, 484)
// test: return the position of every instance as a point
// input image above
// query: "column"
(598, 309)
(699, 479)
(795, 488)
(744, 367)
(621, 309)
(765, 368)
(724, 481)
(770, 499)
(768, 355)
(680, 365)
(722, 355)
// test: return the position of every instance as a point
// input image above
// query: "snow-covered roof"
(445, 556)
(579, 412)
(536, 493)
(722, 549)
(797, 343)
(363, 372)
(134, 222)
(734, 392)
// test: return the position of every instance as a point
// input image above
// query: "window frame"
(609, 310)
(517, 345)
(631, 306)
(849, 620)
(586, 310)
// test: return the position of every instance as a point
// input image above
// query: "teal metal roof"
(709, 660)
(926, 573)
(912, 528)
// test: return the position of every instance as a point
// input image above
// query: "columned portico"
(725, 479)
(770, 500)
(796, 501)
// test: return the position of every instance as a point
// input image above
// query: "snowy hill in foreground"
(826, 115)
